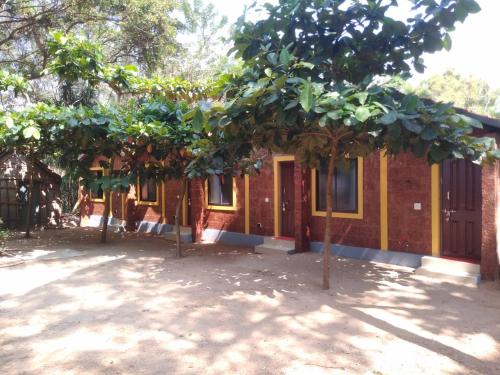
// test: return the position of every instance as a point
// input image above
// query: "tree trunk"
(105, 216)
(328, 219)
(31, 164)
(107, 203)
(178, 250)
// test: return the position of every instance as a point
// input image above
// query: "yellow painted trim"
(98, 200)
(247, 204)
(384, 203)
(184, 208)
(276, 170)
(163, 203)
(341, 215)
(436, 209)
(147, 203)
(221, 208)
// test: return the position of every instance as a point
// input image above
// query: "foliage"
(11, 81)
(142, 32)
(204, 52)
(470, 93)
(310, 86)
(4, 235)
(74, 59)
(346, 40)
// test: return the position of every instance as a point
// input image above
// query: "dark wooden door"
(286, 199)
(461, 209)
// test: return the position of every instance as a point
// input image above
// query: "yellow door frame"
(436, 209)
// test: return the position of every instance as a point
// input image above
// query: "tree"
(204, 45)
(141, 32)
(159, 37)
(32, 133)
(470, 93)
(309, 86)
(165, 139)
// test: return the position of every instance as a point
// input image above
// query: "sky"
(475, 48)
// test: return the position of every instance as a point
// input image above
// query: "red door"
(286, 199)
(461, 204)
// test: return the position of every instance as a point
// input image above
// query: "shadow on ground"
(130, 307)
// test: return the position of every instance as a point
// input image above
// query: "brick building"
(388, 209)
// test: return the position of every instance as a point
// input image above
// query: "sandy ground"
(131, 307)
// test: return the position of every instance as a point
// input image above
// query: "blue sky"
(476, 42)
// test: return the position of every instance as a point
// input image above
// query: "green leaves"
(31, 132)
(362, 114)
(412, 126)
(198, 120)
(388, 118)
(447, 42)
(306, 96)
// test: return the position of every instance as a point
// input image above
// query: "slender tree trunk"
(328, 219)
(178, 250)
(31, 164)
(105, 216)
(107, 204)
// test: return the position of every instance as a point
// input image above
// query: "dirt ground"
(130, 307)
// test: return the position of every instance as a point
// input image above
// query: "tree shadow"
(130, 306)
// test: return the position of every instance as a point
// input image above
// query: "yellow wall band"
(436, 209)
(247, 204)
(163, 203)
(384, 210)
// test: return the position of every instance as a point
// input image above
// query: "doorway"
(461, 209)
(286, 199)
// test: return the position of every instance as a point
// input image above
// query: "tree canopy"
(315, 84)
(156, 36)
(470, 93)
(317, 81)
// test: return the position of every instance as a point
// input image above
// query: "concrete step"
(274, 245)
(464, 278)
(186, 235)
(449, 266)
(273, 241)
(266, 249)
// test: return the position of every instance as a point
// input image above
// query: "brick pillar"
(490, 191)
(197, 209)
(302, 181)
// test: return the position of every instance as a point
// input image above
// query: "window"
(221, 192)
(148, 191)
(96, 192)
(347, 190)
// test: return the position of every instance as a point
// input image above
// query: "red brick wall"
(261, 188)
(409, 182)
(202, 218)
(363, 232)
